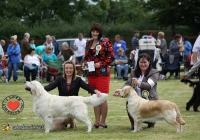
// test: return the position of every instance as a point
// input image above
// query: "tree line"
(66, 18)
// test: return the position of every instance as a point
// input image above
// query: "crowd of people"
(96, 55)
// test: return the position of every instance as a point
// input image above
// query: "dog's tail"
(179, 118)
(192, 84)
(94, 100)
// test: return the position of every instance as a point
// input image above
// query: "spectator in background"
(121, 61)
(48, 55)
(175, 55)
(56, 45)
(67, 53)
(119, 43)
(163, 44)
(13, 52)
(135, 40)
(79, 46)
(25, 46)
(32, 43)
(40, 50)
(49, 42)
(187, 50)
(2, 43)
(151, 34)
(31, 64)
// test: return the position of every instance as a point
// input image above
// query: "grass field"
(117, 120)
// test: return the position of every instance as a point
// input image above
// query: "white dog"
(151, 111)
(53, 108)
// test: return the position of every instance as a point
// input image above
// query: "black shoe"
(187, 107)
(125, 78)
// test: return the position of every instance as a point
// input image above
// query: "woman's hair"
(138, 70)
(0, 57)
(118, 36)
(161, 34)
(48, 48)
(48, 37)
(151, 32)
(31, 39)
(98, 28)
(65, 44)
(185, 37)
(30, 50)
(177, 36)
(74, 73)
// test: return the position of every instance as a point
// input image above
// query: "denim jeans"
(13, 67)
(119, 70)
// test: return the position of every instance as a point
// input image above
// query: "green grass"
(117, 120)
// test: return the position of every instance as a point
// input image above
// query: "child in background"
(3, 72)
(32, 41)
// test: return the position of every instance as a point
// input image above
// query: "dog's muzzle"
(27, 88)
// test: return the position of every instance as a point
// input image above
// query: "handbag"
(34, 66)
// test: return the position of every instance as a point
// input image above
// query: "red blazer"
(104, 57)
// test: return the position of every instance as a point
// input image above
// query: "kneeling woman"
(68, 85)
(144, 79)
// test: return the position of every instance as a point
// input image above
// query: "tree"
(175, 12)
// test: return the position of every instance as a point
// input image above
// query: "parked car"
(70, 41)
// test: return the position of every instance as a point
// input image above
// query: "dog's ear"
(36, 88)
(127, 91)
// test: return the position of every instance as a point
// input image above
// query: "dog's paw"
(134, 130)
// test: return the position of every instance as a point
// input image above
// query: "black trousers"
(28, 72)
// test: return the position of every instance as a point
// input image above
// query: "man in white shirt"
(196, 50)
(79, 46)
(2, 43)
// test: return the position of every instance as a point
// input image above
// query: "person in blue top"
(187, 50)
(121, 61)
(13, 52)
(48, 55)
(32, 43)
(119, 44)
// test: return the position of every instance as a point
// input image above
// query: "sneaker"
(6, 81)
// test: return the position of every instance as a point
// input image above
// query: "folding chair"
(4, 66)
(55, 68)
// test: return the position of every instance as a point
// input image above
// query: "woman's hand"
(97, 65)
(97, 92)
(30, 64)
(185, 76)
(117, 92)
(136, 82)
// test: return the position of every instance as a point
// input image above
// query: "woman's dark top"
(73, 89)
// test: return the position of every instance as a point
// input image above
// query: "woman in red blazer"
(99, 51)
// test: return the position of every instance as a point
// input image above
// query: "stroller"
(147, 45)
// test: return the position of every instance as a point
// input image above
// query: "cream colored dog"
(52, 108)
(151, 111)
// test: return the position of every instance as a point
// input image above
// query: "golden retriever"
(151, 111)
(52, 108)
